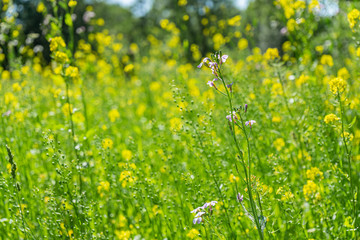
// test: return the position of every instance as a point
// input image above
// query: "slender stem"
(348, 156)
(248, 177)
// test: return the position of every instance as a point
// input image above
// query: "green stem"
(348, 156)
(248, 177)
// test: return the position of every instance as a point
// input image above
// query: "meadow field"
(157, 138)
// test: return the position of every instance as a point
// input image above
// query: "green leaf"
(63, 5)
(352, 122)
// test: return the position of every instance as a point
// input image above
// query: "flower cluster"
(353, 17)
(330, 118)
(207, 208)
(337, 85)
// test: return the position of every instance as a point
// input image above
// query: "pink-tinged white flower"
(211, 84)
(204, 61)
(231, 116)
(198, 218)
(250, 123)
(209, 204)
(240, 197)
(229, 86)
(223, 58)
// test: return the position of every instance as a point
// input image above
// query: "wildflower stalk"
(17, 190)
(348, 155)
(72, 128)
(247, 174)
(216, 184)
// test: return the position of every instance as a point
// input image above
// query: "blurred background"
(198, 26)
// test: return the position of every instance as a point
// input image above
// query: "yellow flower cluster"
(290, 6)
(310, 190)
(314, 172)
(337, 85)
(271, 54)
(72, 3)
(353, 17)
(103, 187)
(72, 72)
(279, 143)
(330, 118)
(301, 80)
(61, 57)
(56, 42)
(193, 233)
(327, 60)
(126, 177)
(107, 143)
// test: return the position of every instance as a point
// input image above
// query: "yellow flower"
(330, 118)
(16, 87)
(56, 42)
(126, 177)
(233, 178)
(72, 3)
(343, 73)
(126, 154)
(66, 109)
(310, 189)
(61, 57)
(347, 136)
(287, 196)
(113, 115)
(291, 25)
(319, 48)
(235, 21)
(193, 233)
(40, 7)
(129, 67)
(182, 2)
(314, 4)
(175, 124)
(301, 80)
(277, 89)
(327, 60)
(243, 44)
(337, 85)
(279, 143)
(353, 17)
(276, 119)
(103, 186)
(72, 72)
(271, 54)
(314, 172)
(123, 235)
(107, 143)
(349, 222)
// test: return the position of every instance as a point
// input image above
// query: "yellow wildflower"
(271, 54)
(107, 143)
(126, 154)
(72, 3)
(330, 118)
(279, 143)
(337, 85)
(193, 233)
(353, 17)
(314, 172)
(113, 115)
